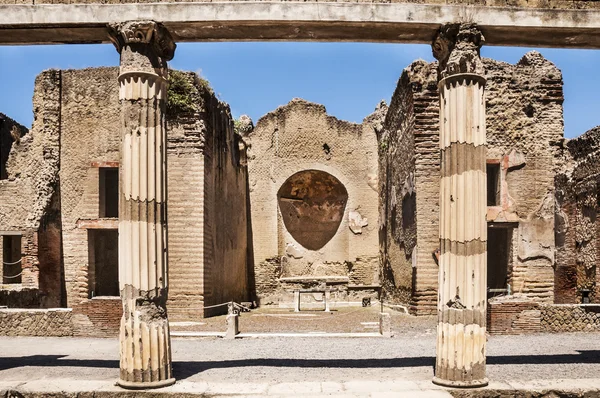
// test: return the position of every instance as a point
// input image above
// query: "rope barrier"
(16, 262)
(216, 305)
(14, 276)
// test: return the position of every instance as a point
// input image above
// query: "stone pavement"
(522, 366)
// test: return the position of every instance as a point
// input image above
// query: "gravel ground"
(409, 356)
(342, 320)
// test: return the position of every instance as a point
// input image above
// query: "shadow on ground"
(185, 369)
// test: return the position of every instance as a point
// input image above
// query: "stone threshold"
(354, 388)
(268, 335)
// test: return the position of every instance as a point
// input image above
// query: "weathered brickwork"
(524, 128)
(207, 203)
(513, 315)
(520, 315)
(98, 317)
(301, 138)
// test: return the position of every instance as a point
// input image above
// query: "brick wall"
(207, 204)
(97, 317)
(513, 316)
(520, 315)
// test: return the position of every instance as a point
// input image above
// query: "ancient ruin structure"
(313, 199)
(35, 175)
(524, 128)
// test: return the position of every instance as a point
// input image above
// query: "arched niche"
(312, 204)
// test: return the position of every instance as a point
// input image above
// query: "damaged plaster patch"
(292, 251)
(356, 222)
(537, 233)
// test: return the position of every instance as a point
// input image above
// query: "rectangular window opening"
(499, 245)
(11, 259)
(109, 192)
(493, 184)
(103, 256)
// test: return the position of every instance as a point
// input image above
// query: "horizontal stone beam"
(300, 21)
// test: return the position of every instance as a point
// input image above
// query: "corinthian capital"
(456, 47)
(149, 33)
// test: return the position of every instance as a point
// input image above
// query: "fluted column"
(463, 229)
(145, 344)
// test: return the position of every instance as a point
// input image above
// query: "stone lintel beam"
(145, 48)
(28, 23)
(463, 205)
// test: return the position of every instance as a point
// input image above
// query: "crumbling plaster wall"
(524, 128)
(301, 136)
(31, 187)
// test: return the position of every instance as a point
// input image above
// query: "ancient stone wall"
(524, 128)
(410, 151)
(525, 125)
(333, 185)
(570, 318)
(36, 322)
(522, 316)
(513, 315)
(207, 201)
(583, 203)
(29, 190)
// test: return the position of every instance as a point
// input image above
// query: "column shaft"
(144, 336)
(461, 334)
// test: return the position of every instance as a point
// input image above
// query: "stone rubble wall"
(571, 318)
(36, 322)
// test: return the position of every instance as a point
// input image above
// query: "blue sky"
(254, 78)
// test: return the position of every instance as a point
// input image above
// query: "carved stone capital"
(456, 47)
(150, 33)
